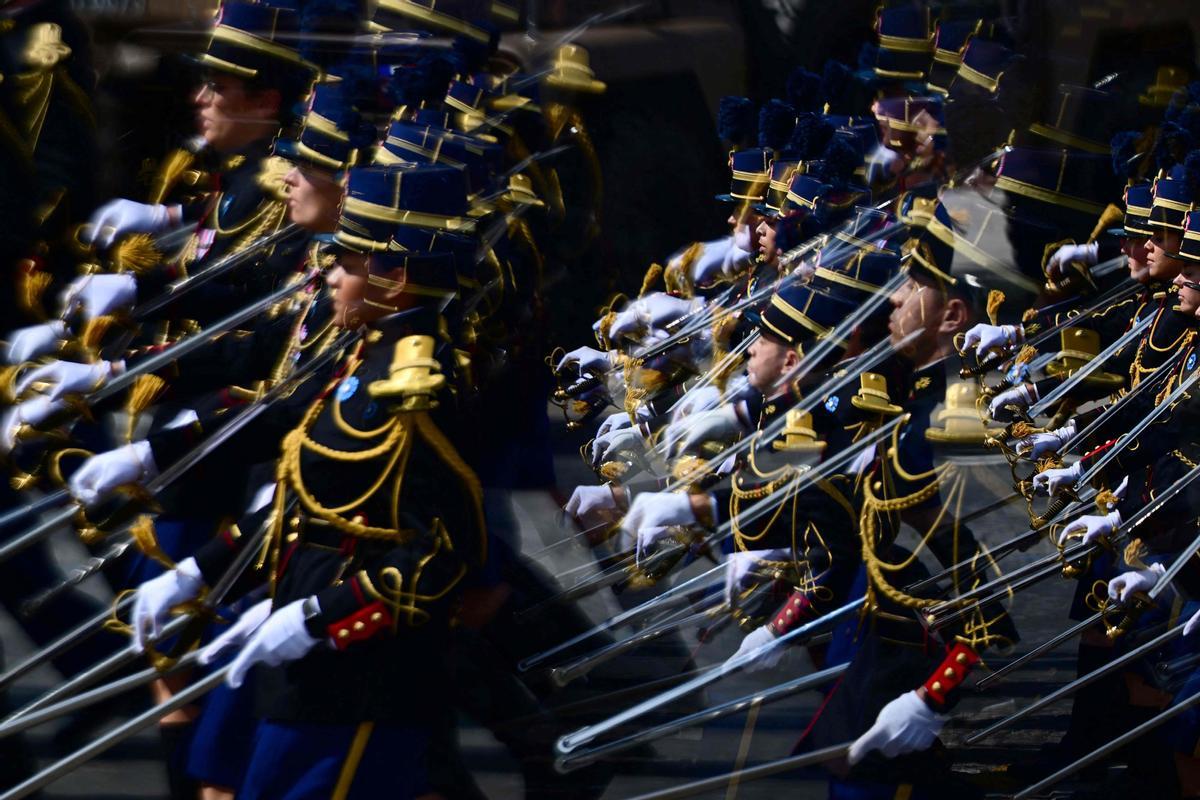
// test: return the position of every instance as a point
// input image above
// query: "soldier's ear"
(955, 316)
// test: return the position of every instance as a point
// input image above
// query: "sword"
(586, 756)
(1113, 746)
(43, 503)
(730, 779)
(116, 736)
(80, 633)
(1087, 369)
(1159, 587)
(576, 739)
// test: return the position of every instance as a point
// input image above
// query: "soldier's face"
(766, 240)
(1137, 250)
(1188, 282)
(230, 116)
(918, 307)
(348, 280)
(770, 359)
(1160, 256)
(313, 198)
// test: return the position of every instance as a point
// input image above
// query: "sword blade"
(1087, 369)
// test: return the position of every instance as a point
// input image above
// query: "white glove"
(614, 422)
(653, 514)
(985, 337)
(1054, 480)
(746, 656)
(615, 441)
(1191, 624)
(1092, 526)
(238, 632)
(740, 564)
(281, 638)
(654, 311)
(1024, 396)
(1038, 444)
(905, 725)
(66, 377)
(98, 295)
(154, 599)
(31, 412)
(722, 425)
(1087, 254)
(695, 401)
(709, 264)
(104, 472)
(1138, 580)
(588, 359)
(27, 344)
(884, 163)
(119, 217)
(593, 506)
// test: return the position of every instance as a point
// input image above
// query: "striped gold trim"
(325, 126)
(904, 44)
(1174, 205)
(225, 33)
(418, 219)
(407, 8)
(1069, 139)
(798, 316)
(1138, 211)
(959, 244)
(972, 75)
(913, 248)
(319, 157)
(775, 330)
(891, 73)
(845, 280)
(220, 63)
(1047, 196)
(951, 57)
(355, 242)
(432, 155)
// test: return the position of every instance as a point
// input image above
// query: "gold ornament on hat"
(798, 434)
(873, 395)
(959, 418)
(414, 377)
(1079, 346)
(573, 70)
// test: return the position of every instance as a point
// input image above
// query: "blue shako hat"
(331, 132)
(432, 197)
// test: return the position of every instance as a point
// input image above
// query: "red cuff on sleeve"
(361, 625)
(796, 610)
(952, 672)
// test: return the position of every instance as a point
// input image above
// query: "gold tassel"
(146, 540)
(653, 273)
(145, 391)
(1135, 551)
(1112, 216)
(136, 254)
(1027, 354)
(172, 169)
(33, 283)
(1030, 315)
(94, 332)
(995, 299)
(1105, 501)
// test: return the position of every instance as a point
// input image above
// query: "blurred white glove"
(652, 311)
(985, 337)
(1087, 254)
(593, 506)
(753, 654)
(905, 725)
(1038, 444)
(653, 514)
(1052, 481)
(30, 412)
(1024, 396)
(281, 638)
(1191, 624)
(722, 425)
(739, 565)
(709, 264)
(1134, 581)
(154, 599)
(26, 344)
(1092, 526)
(66, 377)
(588, 359)
(696, 400)
(614, 422)
(119, 217)
(608, 445)
(238, 632)
(884, 164)
(104, 472)
(97, 295)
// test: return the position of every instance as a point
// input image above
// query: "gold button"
(937, 686)
(294, 522)
(796, 602)
(358, 626)
(343, 633)
(891, 452)
(962, 658)
(789, 612)
(949, 673)
(376, 617)
(357, 519)
(877, 485)
(291, 537)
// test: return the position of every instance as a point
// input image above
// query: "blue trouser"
(297, 761)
